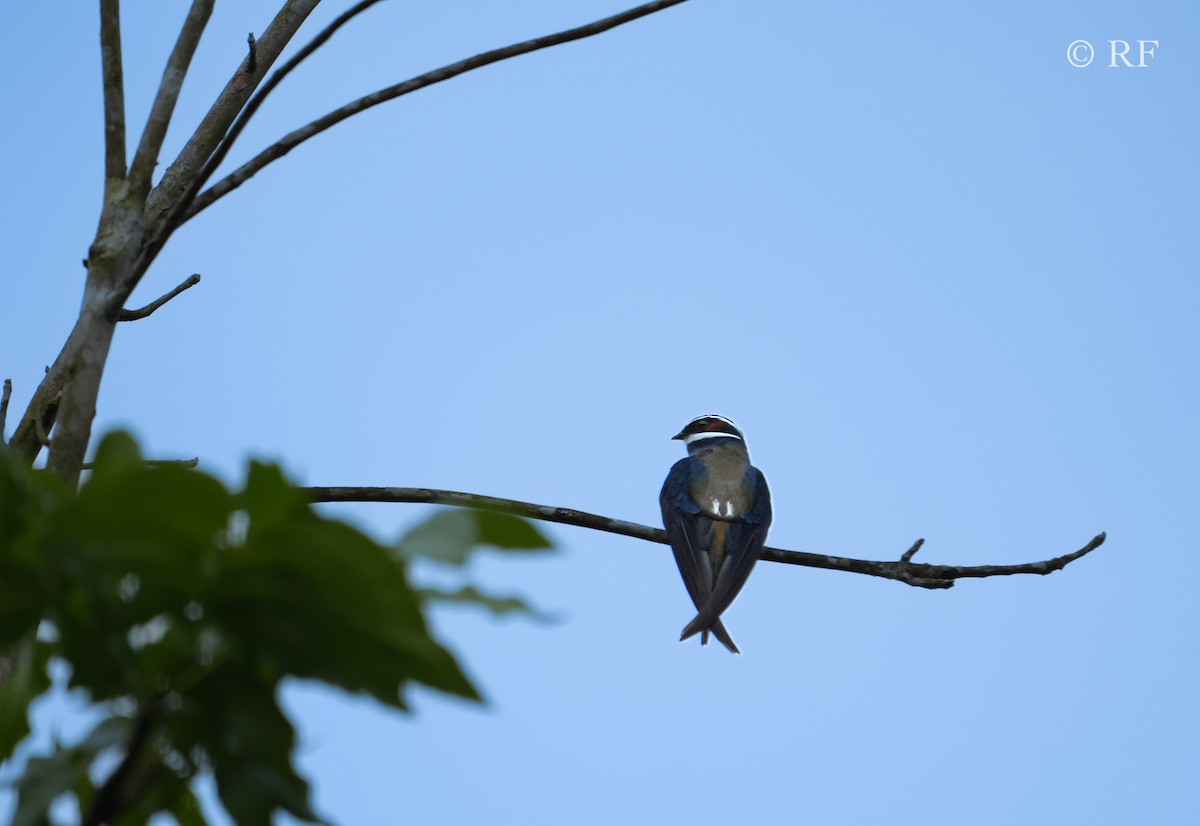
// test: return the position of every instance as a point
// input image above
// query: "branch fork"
(138, 218)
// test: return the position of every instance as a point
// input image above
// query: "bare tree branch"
(134, 315)
(905, 570)
(113, 797)
(117, 260)
(4, 407)
(289, 142)
(228, 104)
(114, 91)
(163, 107)
(72, 382)
(88, 341)
(178, 212)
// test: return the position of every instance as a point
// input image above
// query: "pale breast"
(721, 492)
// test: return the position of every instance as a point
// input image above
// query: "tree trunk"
(110, 280)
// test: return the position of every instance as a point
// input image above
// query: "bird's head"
(709, 430)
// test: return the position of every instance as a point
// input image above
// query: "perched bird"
(716, 509)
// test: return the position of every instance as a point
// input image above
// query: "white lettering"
(1121, 54)
(1144, 52)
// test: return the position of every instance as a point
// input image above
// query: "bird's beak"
(678, 435)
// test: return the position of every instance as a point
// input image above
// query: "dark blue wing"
(690, 533)
(686, 531)
(744, 540)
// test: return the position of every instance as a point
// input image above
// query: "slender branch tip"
(911, 552)
(142, 169)
(196, 201)
(4, 407)
(133, 315)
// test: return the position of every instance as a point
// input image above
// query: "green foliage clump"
(179, 607)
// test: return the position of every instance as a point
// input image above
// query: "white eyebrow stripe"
(695, 437)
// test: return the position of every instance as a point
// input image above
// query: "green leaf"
(166, 505)
(450, 536)
(84, 791)
(186, 810)
(509, 532)
(47, 778)
(23, 600)
(117, 451)
(168, 793)
(499, 606)
(26, 682)
(270, 500)
(27, 499)
(319, 599)
(121, 565)
(250, 742)
(26, 496)
(155, 606)
(15, 510)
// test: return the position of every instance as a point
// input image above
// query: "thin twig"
(195, 460)
(911, 552)
(142, 168)
(912, 573)
(289, 142)
(114, 91)
(180, 210)
(7, 394)
(192, 462)
(134, 315)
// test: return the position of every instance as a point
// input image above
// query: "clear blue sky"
(945, 282)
